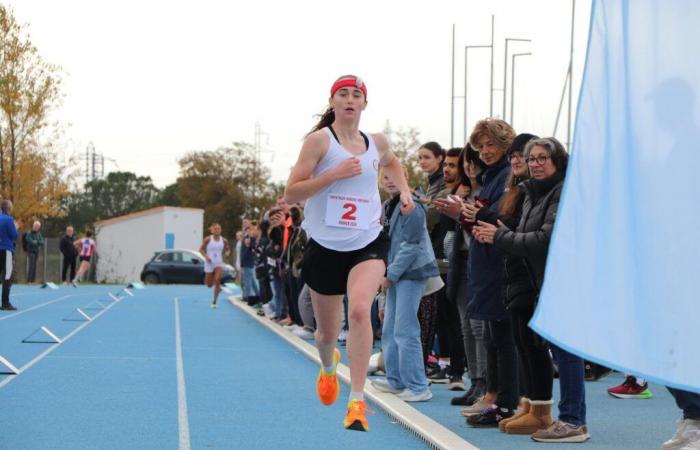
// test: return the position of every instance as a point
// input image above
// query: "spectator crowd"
(464, 273)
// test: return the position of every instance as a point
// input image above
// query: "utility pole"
(452, 97)
(571, 75)
(95, 163)
(259, 133)
(505, 75)
(512, 86)
(491, 78)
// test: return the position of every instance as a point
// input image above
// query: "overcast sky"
(147, 81)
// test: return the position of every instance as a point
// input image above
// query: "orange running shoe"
(327, 385)
(355, 417)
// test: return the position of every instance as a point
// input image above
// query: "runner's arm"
(203, 247)
(300, 184)
(392, 167)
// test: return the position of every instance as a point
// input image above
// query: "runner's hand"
(386, 284)
(407, 205)
(347, 169)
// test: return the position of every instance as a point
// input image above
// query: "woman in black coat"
(547, 162)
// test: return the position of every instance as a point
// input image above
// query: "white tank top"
(215, 250)
(346, 214)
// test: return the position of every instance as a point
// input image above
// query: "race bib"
(346, 211)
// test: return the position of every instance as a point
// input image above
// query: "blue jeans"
(250, 286)
(689, 402)
(572, 405)
(401, 344)
(278, 297)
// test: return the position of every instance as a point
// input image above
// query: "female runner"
(86, 247)
(337, 175)
(214, 248)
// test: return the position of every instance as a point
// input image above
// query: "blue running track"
(114, 384)
(117, 383)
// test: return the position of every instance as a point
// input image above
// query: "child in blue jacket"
(410, 264)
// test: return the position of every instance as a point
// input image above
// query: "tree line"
(229, 183)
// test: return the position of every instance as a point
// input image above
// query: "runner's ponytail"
(326, 119)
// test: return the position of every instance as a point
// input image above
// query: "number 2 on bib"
(347, 211)
(350, 213)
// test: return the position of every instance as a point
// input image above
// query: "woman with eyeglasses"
(547, 161)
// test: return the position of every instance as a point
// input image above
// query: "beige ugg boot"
(539, 417)
(522, 410)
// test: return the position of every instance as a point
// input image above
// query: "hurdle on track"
(48, 337)
(7, 368)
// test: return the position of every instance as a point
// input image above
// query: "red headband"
(349, 82)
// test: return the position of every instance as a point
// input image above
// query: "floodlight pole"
(505, 72)
(512, 86)
(466, 59)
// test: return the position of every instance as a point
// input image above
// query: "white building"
(126, 243)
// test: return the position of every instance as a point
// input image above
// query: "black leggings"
(502, 364)
(4, 268)
(68, 262)
(427, 317)
(534, 353)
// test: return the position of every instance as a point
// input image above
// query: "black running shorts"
(326, 271)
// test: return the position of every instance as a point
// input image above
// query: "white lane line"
(43, 354)
(435, 434)
(183, 420)
(116, 358)
(40, 305)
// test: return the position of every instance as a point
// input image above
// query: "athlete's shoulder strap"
(364, 136)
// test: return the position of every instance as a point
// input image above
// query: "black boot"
(462, 399)
(478, 392)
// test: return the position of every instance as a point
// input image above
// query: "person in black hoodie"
(547, 161)
(70, 254)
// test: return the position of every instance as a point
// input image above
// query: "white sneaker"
(410, 396)
(382, 385)
(687, 436)
(304, 333)
(267, 309)
(693, 445)
(291, 327)
(476, 408)
(343, 336)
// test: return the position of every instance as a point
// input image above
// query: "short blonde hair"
(382, 169)
(497, 129)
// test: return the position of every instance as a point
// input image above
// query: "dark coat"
(518, 288)
(434, 221)
(534, 232)
(485, 285)
(67, 247)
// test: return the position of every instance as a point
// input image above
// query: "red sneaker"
(630, 389)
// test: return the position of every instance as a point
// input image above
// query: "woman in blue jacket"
(411, 263)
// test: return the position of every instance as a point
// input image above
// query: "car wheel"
(151, 278)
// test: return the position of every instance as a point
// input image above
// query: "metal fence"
(49, 264)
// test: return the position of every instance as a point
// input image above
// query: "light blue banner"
(623, 274)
